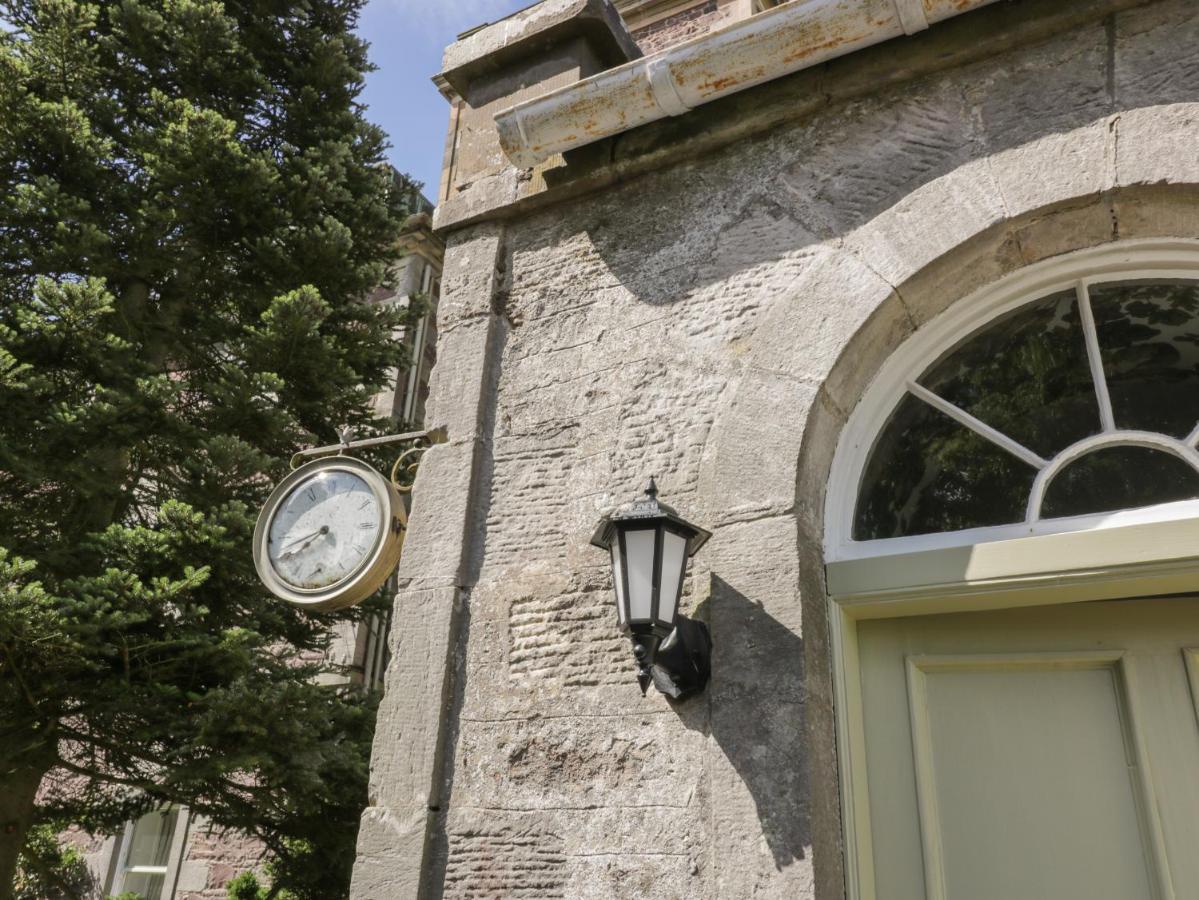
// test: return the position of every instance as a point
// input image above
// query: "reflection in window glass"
(146, 885)
(930, 474)
(1027, 376)
(1150, 347)
(148, 853)
(1119, 478)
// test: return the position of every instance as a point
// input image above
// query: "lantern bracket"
(683, 662)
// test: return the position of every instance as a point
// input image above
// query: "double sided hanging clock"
(330, 534)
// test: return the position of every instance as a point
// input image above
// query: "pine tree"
(193, 209)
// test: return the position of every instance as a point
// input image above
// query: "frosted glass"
(640, 547)
(618, 580)
(674, 560)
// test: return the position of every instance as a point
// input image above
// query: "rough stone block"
(1157, 145)
(438, 545)
(803, 334)
(1154, 51)
(459, 385)
(193, 876)
(646, 851)
(857, 160)
(977, 261)
(404, 766)
(1054, 87)
(929, 222)
(749, 466)
(578, 762)
(503, 853)
(390, 851)
(471, 274)
(1056, 168)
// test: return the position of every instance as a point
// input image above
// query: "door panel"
(1052, 741)
(1044, 754)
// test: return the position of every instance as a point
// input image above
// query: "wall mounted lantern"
(650, 544)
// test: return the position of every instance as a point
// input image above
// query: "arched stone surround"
(1125, 178)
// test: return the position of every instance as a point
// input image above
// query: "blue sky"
(407, 38)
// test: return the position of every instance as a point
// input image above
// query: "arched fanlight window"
(1083, 402)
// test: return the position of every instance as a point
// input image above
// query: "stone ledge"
(525, 33)
(983, 34)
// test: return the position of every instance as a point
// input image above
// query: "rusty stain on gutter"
(770, 45)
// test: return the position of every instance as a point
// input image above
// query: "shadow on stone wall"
(753, 709)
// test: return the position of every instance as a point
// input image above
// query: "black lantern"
(650, 544)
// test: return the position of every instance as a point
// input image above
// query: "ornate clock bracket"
(403, 473)
(326, 525)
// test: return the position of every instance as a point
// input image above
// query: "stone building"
(898, 298)
(173, 854)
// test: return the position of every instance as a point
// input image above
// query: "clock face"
(325, 530)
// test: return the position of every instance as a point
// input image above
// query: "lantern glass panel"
(639, 548)
(674, 561)
(618, 580)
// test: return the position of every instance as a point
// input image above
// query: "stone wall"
(212, 858)
(712, 323)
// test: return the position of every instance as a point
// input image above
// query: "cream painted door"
(1039, 754)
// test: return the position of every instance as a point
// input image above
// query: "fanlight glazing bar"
(1192, 439)
(1147, 439)
(1106, 417)
(982, 429)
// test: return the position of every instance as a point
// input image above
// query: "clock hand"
(305, 541)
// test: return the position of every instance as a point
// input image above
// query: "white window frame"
(1133, 260)
(1038, 562)
(119, 871)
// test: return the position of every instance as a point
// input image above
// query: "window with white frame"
(1082, 402)
(148, 854)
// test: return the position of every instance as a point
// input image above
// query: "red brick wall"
(682, 26)
(226, 855)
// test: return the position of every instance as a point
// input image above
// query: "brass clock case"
(374, 569)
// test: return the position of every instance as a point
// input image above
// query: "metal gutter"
(770, 45)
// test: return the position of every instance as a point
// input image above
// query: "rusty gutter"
(770, 45)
